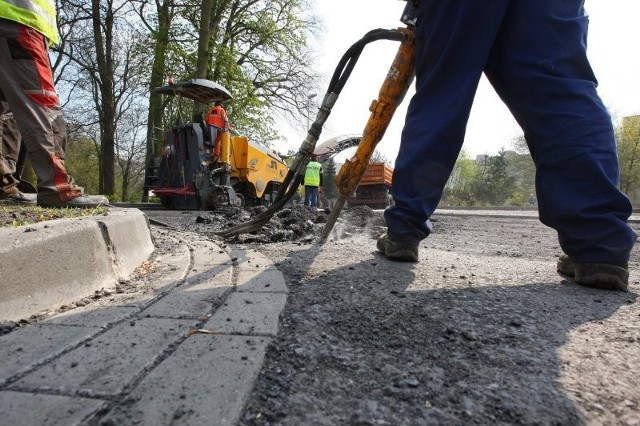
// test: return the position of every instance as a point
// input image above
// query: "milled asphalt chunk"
(164, 357)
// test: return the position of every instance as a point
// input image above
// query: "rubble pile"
(293, 223)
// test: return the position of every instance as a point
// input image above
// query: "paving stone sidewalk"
(185, 347)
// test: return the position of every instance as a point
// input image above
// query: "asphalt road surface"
(481, 331)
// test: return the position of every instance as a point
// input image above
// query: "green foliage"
(329, 188)
(258, 51)
(521, 167)
(487, 181)
(27, 215)
(82, 162)
(516, 198)
(496, 184)
(460, 188)
(628, 138)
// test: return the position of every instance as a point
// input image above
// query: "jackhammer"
(393, 90)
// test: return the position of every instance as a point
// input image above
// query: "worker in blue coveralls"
(533, 53)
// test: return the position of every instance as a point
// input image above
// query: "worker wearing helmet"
(27, 28)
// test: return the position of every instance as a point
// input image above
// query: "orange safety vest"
(217, 117)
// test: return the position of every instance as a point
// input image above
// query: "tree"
(259, 52)
(378, 157)
(628, 138)
(103, 75)
(82, 162)
(459, 189)
(155, 18)
(130, 153)
(498, 185)
(484, 181)
(329, 188)
(521, 167)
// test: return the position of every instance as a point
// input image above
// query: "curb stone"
(54, 263)
(137, 359)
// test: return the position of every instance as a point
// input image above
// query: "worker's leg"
(454, 39)
(307, 196)
(540, 69)
(9, 149)
(313, 197)
(27, 83)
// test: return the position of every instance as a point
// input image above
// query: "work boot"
(598, 275)
(18, 197)
(401, 252)
(83, 202)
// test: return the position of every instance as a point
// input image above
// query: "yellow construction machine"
(193, 174)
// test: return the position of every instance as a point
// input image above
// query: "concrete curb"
(49, 264)
(184, 346)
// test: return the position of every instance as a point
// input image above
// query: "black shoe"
(598, 275)
(83, 202)
(401, 252)
(19, 198)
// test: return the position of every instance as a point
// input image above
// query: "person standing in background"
(312, 182)
(217, 118)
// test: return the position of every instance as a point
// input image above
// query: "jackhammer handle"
(392, 93)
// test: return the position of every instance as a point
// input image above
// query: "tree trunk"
(155, 132)
(104, 57)
(202, 62)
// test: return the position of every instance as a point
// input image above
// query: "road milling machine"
(195, 174)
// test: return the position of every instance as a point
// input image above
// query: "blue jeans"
(311, 196)
(534, 54)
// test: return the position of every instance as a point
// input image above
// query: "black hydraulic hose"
(351, 56)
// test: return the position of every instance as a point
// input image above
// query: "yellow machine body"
(257, 167)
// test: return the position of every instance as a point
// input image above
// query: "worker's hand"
(319, 190)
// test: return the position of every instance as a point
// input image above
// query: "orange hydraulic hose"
(393, 90)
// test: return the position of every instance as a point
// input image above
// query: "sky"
(613, 43)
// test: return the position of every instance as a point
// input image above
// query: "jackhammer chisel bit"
(392, 93)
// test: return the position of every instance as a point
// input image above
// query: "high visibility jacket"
(313, 173)
(217, 117)
(37, 14)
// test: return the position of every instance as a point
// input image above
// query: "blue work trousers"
(533, 52)
(311, 196)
